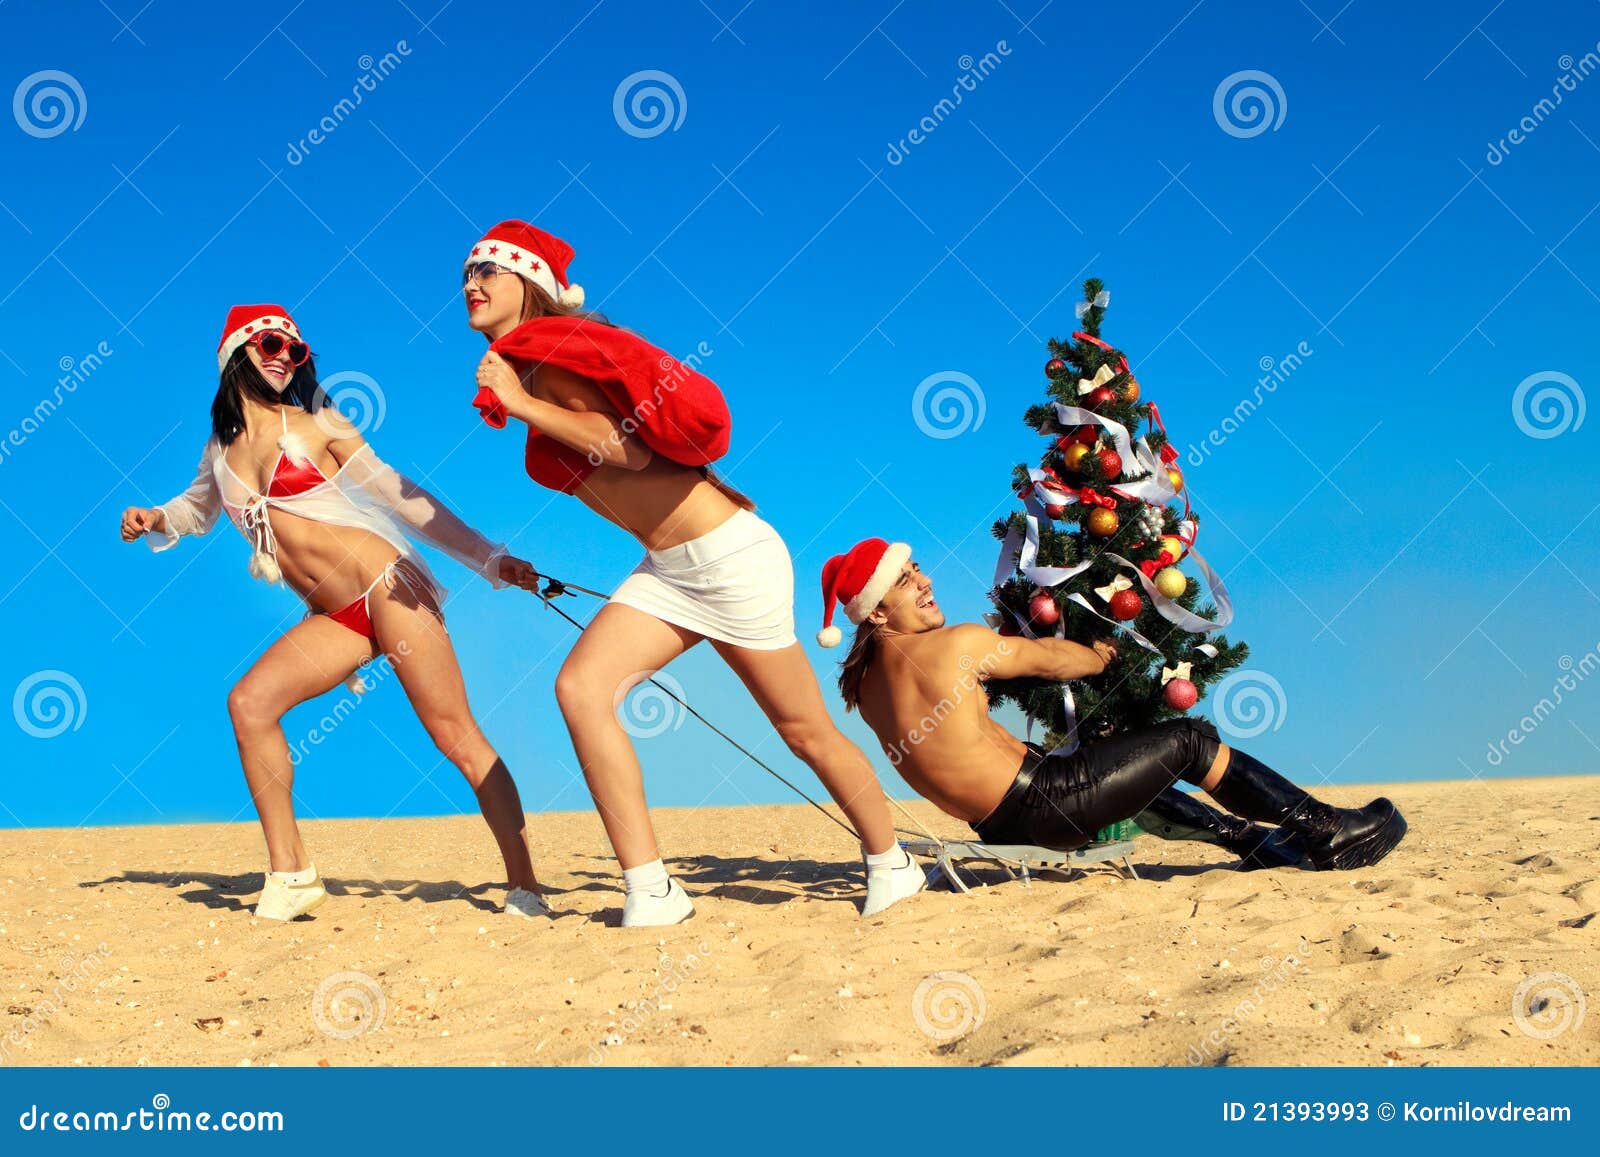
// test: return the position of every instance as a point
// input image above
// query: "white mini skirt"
(734, 584)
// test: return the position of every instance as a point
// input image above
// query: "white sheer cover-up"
(365, 494)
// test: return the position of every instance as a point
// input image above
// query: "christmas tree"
(1101, 548)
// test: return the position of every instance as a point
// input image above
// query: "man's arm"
(996, 656)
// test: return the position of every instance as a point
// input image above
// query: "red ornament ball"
(1043, 610)
(1126, 605)
(1110, 463)
(1054, 366)
(1088, 435)
(1099, 397)
(1055, 509)
(1180, 694)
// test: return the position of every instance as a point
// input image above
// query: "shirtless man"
(920, 686)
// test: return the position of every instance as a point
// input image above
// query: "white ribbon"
(1101, 376)
(1101, 300)
(1181, 671)
(1176, 614)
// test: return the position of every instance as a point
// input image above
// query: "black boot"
(1332, 837)
(1177, 815)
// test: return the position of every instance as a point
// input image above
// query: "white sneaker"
(525, 904)
(886, 886)
(290, 894)
(642, 910)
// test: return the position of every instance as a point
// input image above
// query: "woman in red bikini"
(631, 431)
(324, 514)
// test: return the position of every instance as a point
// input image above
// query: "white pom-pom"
(294, 447)
(571, 297)
(264, 567)
(356, 684)
(830, 636)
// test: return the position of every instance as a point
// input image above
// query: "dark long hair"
(863, 649)
(241, 379)
(537, 303)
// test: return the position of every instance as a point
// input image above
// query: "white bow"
(1101, 300)
(1181, 671)
(1120, 583)
(1101, 376)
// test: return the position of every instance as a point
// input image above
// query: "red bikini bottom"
(358, 617)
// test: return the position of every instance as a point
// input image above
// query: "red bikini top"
(290, 477)
(676, 411)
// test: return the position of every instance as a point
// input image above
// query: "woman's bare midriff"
(328, 566)
(662, 505)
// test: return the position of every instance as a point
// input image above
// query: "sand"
(129, 946)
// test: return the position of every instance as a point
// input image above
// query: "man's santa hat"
(532, 253)
(245, 321)
(858, 581)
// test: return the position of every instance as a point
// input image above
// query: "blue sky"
(1413, 569)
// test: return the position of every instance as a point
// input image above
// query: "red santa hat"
(858, 581)
(245, 321)
(532, 253)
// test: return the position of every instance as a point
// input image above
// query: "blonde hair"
(537, 303)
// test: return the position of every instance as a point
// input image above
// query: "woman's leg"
(312, 657)
(620, 648)
(411, 633)
(785, 686)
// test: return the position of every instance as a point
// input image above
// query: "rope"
(555, 587)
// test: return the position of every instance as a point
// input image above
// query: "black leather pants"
(1060, 801)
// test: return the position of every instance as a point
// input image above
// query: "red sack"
(676, 411)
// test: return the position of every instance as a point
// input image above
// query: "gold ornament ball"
(1175, 476)
(1130, 389)
(1103, 523)
(1173, 546)
(1074, 455)
(1171, 582)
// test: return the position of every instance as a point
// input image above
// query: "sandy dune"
(122, 946)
